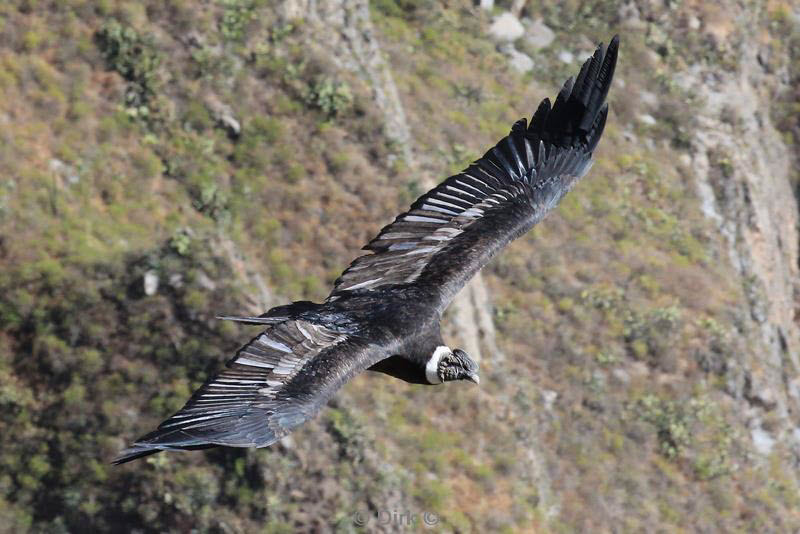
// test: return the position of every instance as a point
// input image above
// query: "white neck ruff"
(432, 367)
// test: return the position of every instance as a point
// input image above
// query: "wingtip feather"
(598, 127)
(573, 117)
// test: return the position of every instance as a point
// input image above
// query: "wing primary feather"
(588, 82)
(567, 88)
(502, 163)
(597, 129)
(539, 118)
(606, 72)
(511, 141)
(529, 153)
(542, 157)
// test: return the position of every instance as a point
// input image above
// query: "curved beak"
(474, 378)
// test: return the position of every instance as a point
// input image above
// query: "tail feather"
(134, 452)
(276, 315)
(253, 320)
(140, 450)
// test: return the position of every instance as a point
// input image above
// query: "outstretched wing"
(276, 382)
(453, 230)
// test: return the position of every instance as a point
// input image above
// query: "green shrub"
(134, 57)
(330, 96)
(180, 242)
(347, 432)
(675, 421)
(235, 18)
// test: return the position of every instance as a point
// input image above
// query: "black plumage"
(384, 311)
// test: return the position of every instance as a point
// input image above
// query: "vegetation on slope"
(202, 143)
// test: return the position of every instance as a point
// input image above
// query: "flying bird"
(384, 311)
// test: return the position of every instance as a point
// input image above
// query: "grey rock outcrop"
(538, 34)
(519, 61)
(223, 114)
(150, 283)
(506, 28)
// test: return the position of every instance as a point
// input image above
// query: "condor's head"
(448, 364)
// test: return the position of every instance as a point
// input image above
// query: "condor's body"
(384, 311)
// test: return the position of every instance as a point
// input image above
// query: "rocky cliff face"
(744, 174)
